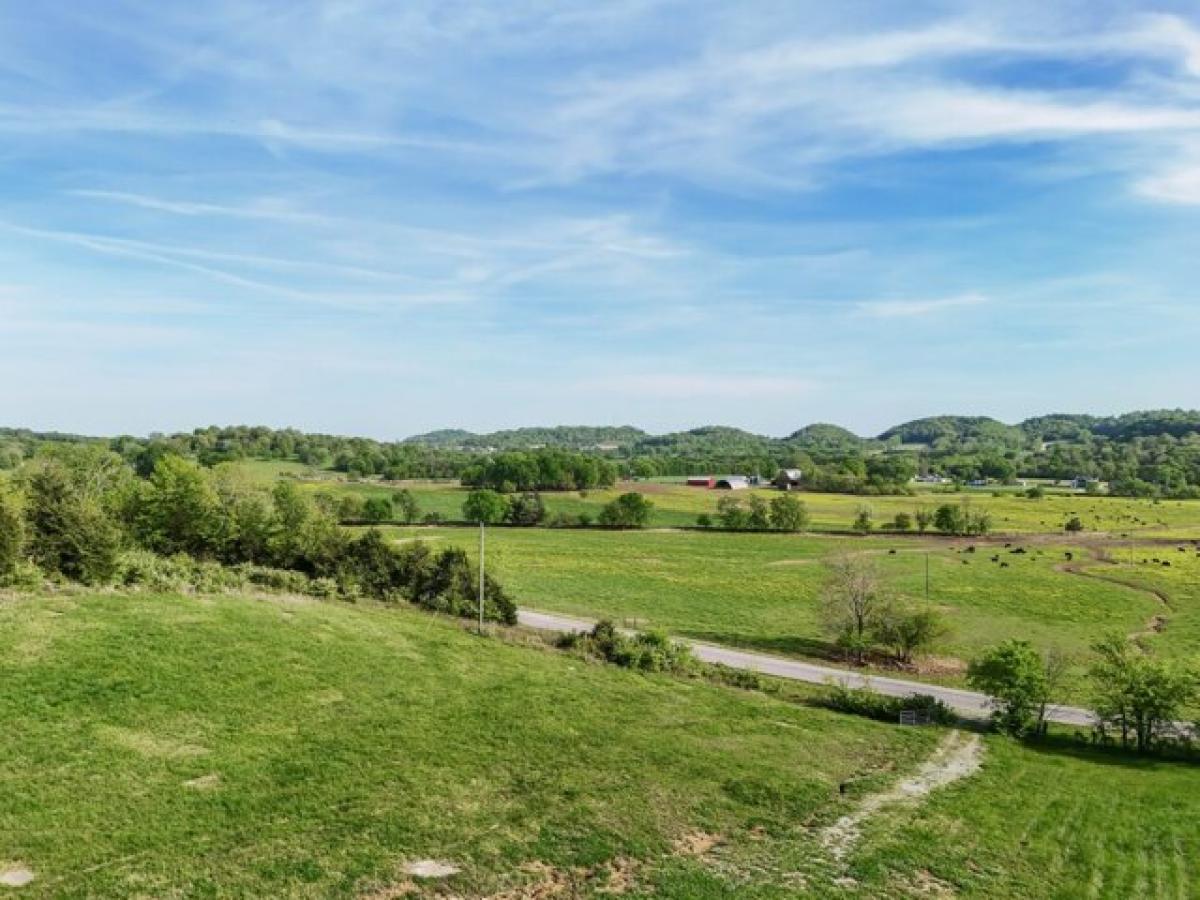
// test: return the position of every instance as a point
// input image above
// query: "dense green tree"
(69, 529)
(12, 533)
(788, 513)
(758, 513)
(631, 510)
(949, 519)
(527, 509)
(406, 505)
(485, 506)
(1137, 694)
(731, 512)
(1013, 675)
(178, 510)
(377, 509)
(906, 631)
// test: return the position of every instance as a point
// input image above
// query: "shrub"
(873, 705)
(377, 509)
(644, 651)
(12, 535)
(788, 513)
(630, 510)
(24, 576)
(526, 509)
(907, 632)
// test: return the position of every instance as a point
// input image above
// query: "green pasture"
(676, 505)
(762, 591)
(166, 746)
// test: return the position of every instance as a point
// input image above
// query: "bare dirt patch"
(208, 782)
(695, 844)
(406, 888)
(941, 665)
(431, 868)
(16, 876)
(545, 882)
(923, 883)
(957, 757)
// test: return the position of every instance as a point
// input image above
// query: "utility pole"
(926, 577)
(481, 581)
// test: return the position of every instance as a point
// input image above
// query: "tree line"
(1144, 454)
(1138, 699)
(80, 512)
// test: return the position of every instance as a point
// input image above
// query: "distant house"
(1081, 482)
(931, 478)
(704, 481)
(732, 483)
(787, 479)
(979, 482)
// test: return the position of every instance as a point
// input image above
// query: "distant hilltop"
(933, 431)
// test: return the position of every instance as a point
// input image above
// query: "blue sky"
(380, 217)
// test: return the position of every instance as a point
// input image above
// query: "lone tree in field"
(908, 632)
(377, 509)
(630, 510)
(406, 506)
(852, 603)
(788, 513)
(731, 513)
(862, 520)
(485, 506)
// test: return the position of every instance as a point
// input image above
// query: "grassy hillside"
(162, 746)
(222, 747)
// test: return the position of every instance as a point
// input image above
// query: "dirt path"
(1155, 624)
(957, 757)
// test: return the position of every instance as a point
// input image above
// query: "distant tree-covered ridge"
(1153, 453)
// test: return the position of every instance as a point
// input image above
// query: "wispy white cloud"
(907, 309)
(1176, 184)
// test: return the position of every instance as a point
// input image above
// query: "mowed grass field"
(677, 505)
(763, 591)
(163, 746)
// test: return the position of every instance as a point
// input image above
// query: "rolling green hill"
(222, 746)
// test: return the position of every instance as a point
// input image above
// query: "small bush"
(873, 705)
(745, 679)
(644, 651)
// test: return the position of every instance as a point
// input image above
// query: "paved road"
(966, 703)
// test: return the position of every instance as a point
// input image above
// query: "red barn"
(705, 481)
